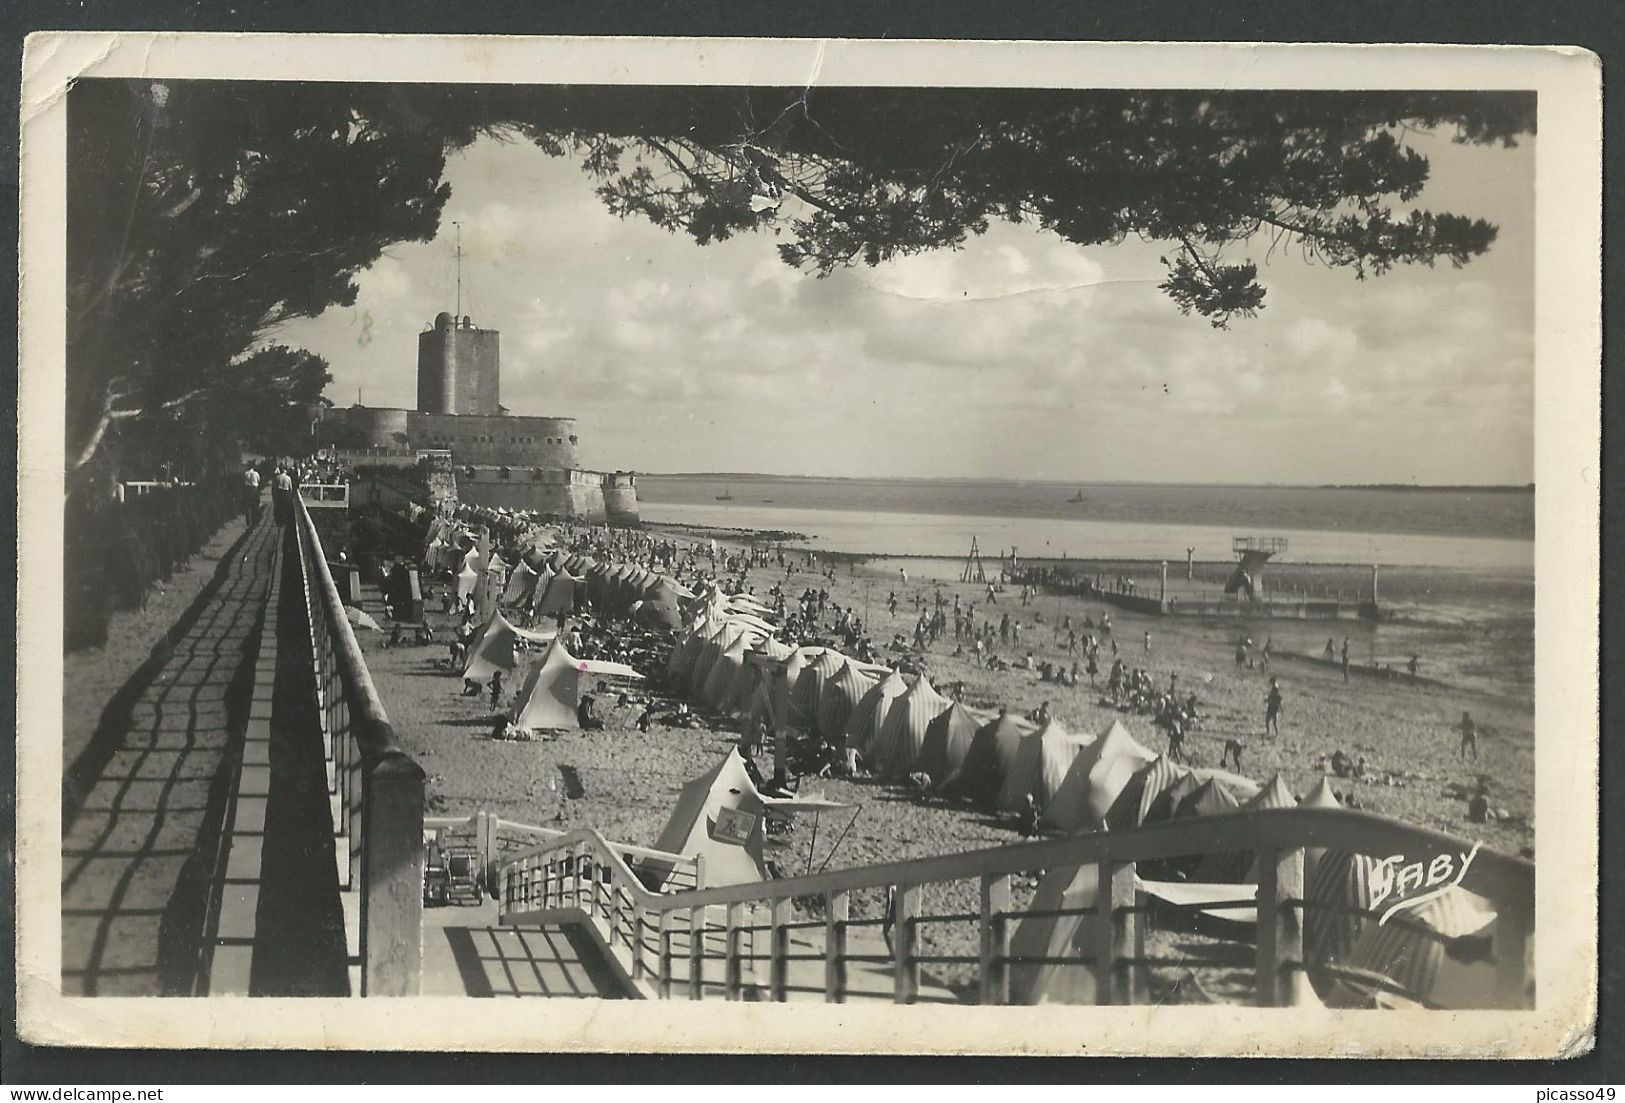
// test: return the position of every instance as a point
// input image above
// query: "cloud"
(1019, 354)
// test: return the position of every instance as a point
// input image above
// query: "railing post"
(696, 953)
(615, 913)
(905, 970)
(668, 927)
(733, 980)
(1114, 932)
(392, 878)
(1280, 926)
(995, 938)
(638, 968)
(778, 976)
(1511, 947)
(836, 911)
(488, 845)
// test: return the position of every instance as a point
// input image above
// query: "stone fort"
(499, 458)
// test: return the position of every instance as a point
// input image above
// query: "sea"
(1457, 565)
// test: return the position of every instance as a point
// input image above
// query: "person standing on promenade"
(282, 496)
(251, 494)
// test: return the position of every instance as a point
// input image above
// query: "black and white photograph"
(993, 531)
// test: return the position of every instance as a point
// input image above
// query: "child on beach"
(1469, 736)
(1232, 753)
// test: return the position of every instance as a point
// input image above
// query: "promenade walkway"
(142, 806)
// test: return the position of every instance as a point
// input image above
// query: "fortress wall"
(621, 498)
(545, 442)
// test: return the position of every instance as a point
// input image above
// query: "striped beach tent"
(902, 732)
(988, 759)
(708, 656)
(948, 740)
(1344, 882)
(866, 719)
(1436, 953)
(713, 694)
(1096, 777)
(1147, 798)
(808, 689)
(841, 696)
(520, 581)
(1041, 762)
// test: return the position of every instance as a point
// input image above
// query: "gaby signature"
(1409, 883)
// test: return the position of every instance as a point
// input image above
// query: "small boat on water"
(727, 494)
(1078, 497)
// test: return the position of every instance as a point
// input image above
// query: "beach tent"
(1273, 795)
(520, 581)
(719, 681)
(808, 691)
(841, 695)
(538, 588)
(560, 597)
(467, 578)
(1463, 976)
(737, 698)
(708, 656)
(656, 614)
(989, 758)
(948, 740)
(1147, 798)
(1097, 776)
(902, 732)
(1041, 762)
(552, 690)
(493, 648)
(1051, 939)
(719, 817)
(489, 590)
(688, 646)
(866, 718)
(1321, 796)
(1344, 882)
(1211, 798)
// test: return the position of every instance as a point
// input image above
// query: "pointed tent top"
(1210, 799)
(1321, 796)
(1274, 795)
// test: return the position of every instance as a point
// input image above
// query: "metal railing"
(375, 789)
(137, 488)
(671, 937)
(325, 495)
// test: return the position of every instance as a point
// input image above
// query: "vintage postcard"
(846, 546)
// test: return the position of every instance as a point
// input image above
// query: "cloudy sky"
(1020, 356)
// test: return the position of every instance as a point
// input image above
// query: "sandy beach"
(628, 780)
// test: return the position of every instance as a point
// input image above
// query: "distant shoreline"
(970, 480)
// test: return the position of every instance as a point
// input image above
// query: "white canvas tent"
(719, 816)
(467, 579)
(1095, 778)
(551, 691)
(493, 648)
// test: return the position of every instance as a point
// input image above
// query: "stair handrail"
(1279, 838)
